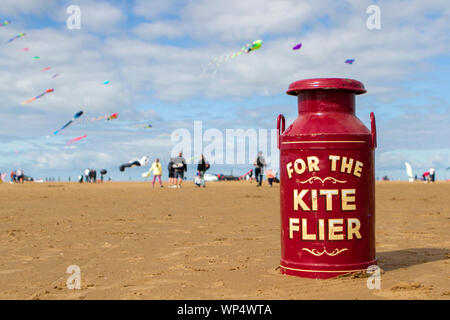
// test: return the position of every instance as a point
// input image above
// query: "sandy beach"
(221, 242)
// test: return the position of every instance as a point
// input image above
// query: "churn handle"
(374, 130)
(283, 122)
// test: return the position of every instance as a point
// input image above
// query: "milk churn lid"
(326, 83)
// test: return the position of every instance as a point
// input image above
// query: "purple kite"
(349, 61)
(297, 47)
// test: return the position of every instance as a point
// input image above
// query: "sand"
(222, 242)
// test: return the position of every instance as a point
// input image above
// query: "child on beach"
(157, 172)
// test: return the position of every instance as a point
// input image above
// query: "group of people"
(429, 176)
(17, 176)
(177, 168)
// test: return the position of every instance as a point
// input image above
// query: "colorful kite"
(5, 23)
(77, 115)
(298, 46)
(39, 96)
(20, 35)
(55, 75)
(113, 116)
(255, 45)
(36, 57)
(349, 61)
(135, 163)
(106, 82)
(25, 49)
(76, 139)
(105, 117)
(46, 69)
(144, 126)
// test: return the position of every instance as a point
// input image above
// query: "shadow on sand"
(392, 260)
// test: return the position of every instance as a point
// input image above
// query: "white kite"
(409, 172)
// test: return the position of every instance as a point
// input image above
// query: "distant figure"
(259, 164)
(432, 174)
(180, 168)
(157, 172)
(69, 179)
(250, 175)
(270, 176)
(19, 175)
(426, 176)
(86, 175)
(102, 173)
(171, 170)
(13, 176)
(80, 178)
(202, 166)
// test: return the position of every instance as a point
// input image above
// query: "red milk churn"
(327, 182)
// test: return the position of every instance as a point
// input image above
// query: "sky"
(156, 55)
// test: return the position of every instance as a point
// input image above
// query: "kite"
(409, 172)
(20, 35)
(25, 49)
(245, 49)
(349, 61)
(36, 57)
(46, 69)
(298, 46)
(105, 117)
(39, 96)
(5, 23)
(76, 139)
(144, 126)
(77, 115)
(135, 163)
(113, 116)
(55, 75)
(106, 82)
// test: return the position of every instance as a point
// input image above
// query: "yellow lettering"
(358, 169)
(329, 194)
(298, 200)
(346, 166)
(332, 229)
(333, 159)
(305, 235)
(321, 230)
(303, 166)
(353, 230)
(293, 226)
(289, 169)
(313, 163)
(348, 195)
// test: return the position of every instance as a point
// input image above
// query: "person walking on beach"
(171, 170)
(86, 175)
(180, 168)
(13, 176)
(156, 169)
(202, 166)
(19, 175)
(259, 164)
(432, 174)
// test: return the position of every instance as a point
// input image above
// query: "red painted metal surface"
(327, 182)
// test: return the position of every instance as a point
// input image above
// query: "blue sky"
(154, 53)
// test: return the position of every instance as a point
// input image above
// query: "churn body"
(327, 182)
